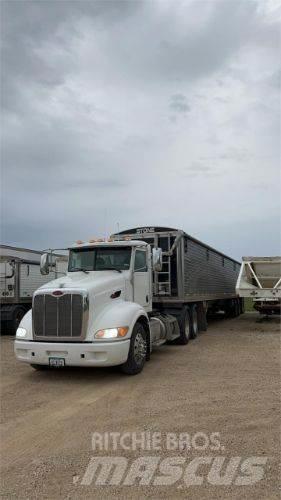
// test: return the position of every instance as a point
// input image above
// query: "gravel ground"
(226, 381)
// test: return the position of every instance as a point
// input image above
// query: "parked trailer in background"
(19, 278)
(260, 279)
(123, 297)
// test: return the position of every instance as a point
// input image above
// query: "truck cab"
(119, 264)
(98, 314)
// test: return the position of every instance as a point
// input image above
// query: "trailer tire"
(242, 306)
(137, 352)
(185, 327)
(18, 314)
(237, 308)
(233, 308)
(194, 322)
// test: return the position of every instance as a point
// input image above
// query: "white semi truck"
(260, 279)
(121, 298)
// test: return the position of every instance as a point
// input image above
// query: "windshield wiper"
(109, 269)
(78, 269)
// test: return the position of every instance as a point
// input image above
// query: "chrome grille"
(57, 317)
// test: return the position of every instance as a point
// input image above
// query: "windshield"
(99, 259)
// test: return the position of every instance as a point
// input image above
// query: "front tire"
(137, 352)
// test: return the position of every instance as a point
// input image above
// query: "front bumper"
(76, 354)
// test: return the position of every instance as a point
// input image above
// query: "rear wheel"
(18, 314)
(237, 307)
(185, 327)
(137, 351)
(233, 308)
(242, 309)
(194, 322)
(11, 325)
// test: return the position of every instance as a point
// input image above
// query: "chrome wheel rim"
(139, 348)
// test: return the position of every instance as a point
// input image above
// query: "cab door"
(142, 285)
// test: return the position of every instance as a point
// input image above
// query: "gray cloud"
(178, 104)
(202, 169)
(86, 142)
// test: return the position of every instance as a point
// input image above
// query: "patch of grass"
(248, 304)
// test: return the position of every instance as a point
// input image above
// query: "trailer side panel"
(31, 279)
(197, 272)
(207, 272)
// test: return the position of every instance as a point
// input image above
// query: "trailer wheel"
(18, 314)
(237, 307)
(185, 327)
(242, 306)
(137, 351)
(194, 322)
(233, 308)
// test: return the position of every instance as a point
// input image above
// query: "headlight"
(112, 333)
(21, 333)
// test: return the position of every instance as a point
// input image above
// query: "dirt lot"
(225, 381)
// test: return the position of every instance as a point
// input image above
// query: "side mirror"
(45, 264)
(157, 259)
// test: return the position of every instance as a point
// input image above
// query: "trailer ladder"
(163, 286)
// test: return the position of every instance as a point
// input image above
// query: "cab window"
(140, 261)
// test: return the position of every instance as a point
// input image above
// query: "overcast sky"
(141, 113)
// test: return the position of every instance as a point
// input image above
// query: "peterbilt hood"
(93, 281)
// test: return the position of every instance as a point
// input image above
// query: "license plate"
(57, 362)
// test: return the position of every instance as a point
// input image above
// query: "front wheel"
(137, 351)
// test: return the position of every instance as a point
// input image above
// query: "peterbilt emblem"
(57, 292)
